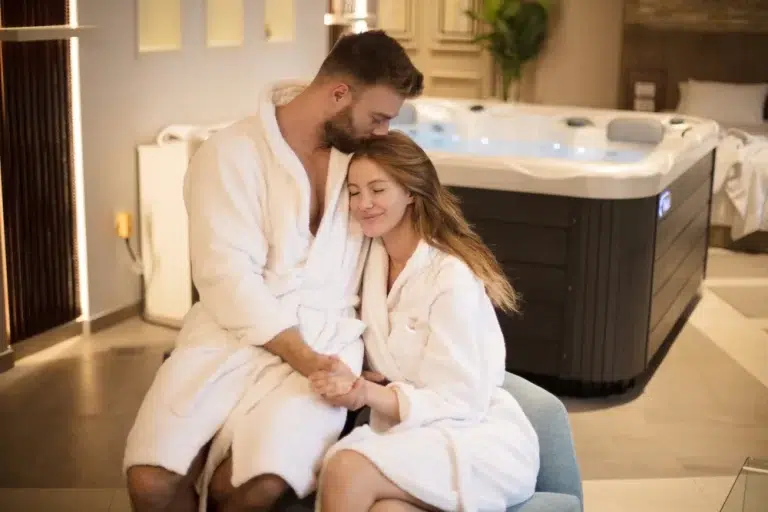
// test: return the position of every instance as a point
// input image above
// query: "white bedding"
(760, 130)
(740, 184)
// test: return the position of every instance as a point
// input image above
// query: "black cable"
(130, 251)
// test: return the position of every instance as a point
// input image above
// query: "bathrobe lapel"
(335, 224)
(284, 156)
(375, 313)
(377, 304)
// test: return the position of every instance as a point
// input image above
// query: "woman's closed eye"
(375, 191)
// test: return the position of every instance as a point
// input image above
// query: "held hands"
(337, 384)
(375, 377)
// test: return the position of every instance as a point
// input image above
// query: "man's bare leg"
(257, 494)
(155, 489)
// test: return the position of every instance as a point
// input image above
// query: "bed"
(739, 216)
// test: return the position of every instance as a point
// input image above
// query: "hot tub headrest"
(407, 115)
(634, 130)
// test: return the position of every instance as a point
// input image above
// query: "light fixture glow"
(361, 13)
(77, 155)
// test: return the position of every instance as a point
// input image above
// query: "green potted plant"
(515, 32)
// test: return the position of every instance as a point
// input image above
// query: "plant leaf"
(478, 17)
(509, 9)
(491, 9)
(482, 37)
(516, 32)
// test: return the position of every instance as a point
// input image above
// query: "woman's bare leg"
(394, 506)
(350, 482)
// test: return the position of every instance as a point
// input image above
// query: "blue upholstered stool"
(559, 486)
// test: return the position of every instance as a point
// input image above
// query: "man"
(277, 261)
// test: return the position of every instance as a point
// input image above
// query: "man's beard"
(338, 132)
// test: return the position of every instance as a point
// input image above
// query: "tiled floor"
(675, 447)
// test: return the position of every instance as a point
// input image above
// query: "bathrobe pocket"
(407, 342)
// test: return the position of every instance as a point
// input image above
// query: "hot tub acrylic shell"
(607, 278)
(682, 146)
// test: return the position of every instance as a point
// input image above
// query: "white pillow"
(725, 102)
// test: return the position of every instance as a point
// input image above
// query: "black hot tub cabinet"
(606, 283)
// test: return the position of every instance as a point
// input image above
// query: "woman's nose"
(365, 202)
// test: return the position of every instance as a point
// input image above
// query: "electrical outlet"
(123, 225)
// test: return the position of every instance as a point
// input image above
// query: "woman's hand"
(353, 400)
(333, 379)
(338, 385)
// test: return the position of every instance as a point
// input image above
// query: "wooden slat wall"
(670, 56)
(37, 173)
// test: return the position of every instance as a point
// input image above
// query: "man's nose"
(381, 129)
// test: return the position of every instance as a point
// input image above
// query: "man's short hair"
(373, 58)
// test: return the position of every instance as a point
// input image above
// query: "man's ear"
(340, 92)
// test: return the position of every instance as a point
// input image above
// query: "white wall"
(581, 63)
(128, 97)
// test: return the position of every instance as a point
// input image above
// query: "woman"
(443, 434)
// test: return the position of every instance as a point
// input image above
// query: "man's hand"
(328, 386)
(290, 347)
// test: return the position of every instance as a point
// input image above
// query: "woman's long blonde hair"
(437, 216)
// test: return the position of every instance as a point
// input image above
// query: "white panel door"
(438, 37)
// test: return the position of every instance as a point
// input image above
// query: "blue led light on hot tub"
(665, 203)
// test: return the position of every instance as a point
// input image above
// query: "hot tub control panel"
(665, 203)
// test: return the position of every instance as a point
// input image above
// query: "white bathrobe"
(259, 271)
(463, 443)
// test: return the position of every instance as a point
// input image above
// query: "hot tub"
(599, 217)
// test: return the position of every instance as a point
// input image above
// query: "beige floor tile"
(747, 282)
(759, 323)
(735, 497)
(120, 501)
(733, 333)
(716, 489)
(643, 495)
(685, 423)
(55, 500)
(750, 301)
(722, 263)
